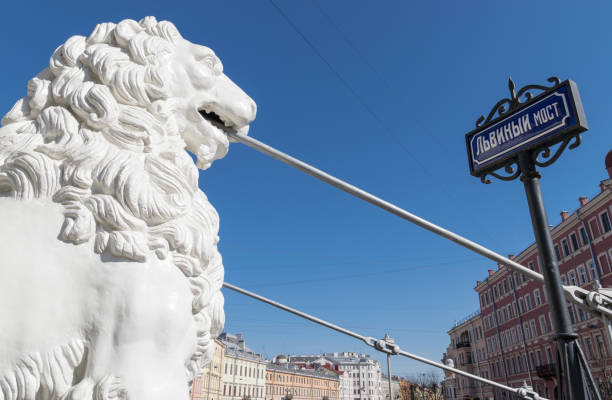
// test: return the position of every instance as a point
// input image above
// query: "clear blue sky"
(407, 81)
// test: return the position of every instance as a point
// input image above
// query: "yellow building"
(286, 382)
(244, 370)
(208, 386)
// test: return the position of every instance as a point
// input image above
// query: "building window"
(583, 236)
(563, 279)
(528, 301)
(550, 355)
(536, 296)
(516, 280)
(530, 265)
(566, 249)
(539, 353)
(592, 271)
(582, 276)
(605, 222)
(557, 252)
(534, 331)
(543, 326)
(600, 346)
(574, 239)
(572, 278)
(521, 306)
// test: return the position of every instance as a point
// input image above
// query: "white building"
(395, 386)
(244, 371)
(361, 375)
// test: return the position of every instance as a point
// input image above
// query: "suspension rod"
(381, 345)
(570, 292)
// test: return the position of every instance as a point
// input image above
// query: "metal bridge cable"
(363, 103)
(350, 89)
(296, 312)
(360, 275)
(362, 58)
(376, 344)
(393, 209)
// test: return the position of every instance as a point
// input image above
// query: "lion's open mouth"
(215, 120)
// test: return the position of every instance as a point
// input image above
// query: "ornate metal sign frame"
(507, 167)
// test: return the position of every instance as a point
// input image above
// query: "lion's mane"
(96, 134)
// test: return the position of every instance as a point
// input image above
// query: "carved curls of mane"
(96, 135)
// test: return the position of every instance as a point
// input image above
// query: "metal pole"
(380, 345)
(570, 368)
(395, 210)
(389, 373)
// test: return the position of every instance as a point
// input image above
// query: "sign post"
(516, 137)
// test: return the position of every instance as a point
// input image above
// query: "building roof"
(236, 346)
(292, 369)
(336, 358)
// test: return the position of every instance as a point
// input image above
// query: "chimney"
(500, 265)
(609, 163)
(602, 187)
(511, 256)
(550, 227)
(583, 200)
(477, 283)
(491, 272)
(564, 215)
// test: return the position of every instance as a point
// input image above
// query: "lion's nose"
(251, 110)
(244, 110)
(235, 103)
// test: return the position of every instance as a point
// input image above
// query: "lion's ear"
(125, 31)
(103, 33)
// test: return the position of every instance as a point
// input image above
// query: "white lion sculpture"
(110, 276)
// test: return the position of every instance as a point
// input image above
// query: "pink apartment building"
(516, 319)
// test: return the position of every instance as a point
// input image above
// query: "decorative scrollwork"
(542, 155)
(512, 169)
(504, 106)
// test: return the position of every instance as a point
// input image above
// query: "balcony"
(546, 371)
(465, 343)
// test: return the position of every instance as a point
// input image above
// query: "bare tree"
(427, 385)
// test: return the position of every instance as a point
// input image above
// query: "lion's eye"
(211, 62)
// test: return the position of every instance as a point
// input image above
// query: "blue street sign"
(543, 120)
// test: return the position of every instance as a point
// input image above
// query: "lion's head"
(103, 131)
